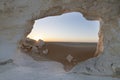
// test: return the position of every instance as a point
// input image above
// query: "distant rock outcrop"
(31, 46)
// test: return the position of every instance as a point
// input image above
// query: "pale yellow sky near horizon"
(48, 38)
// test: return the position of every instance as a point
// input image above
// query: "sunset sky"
(69, 27)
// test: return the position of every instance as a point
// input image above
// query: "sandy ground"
(58, 51)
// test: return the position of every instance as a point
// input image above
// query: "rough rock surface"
(17, 18)
(31, 46)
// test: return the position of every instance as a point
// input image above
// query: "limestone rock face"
(30, 46)
(17, 18)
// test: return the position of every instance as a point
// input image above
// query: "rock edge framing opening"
(19, 20)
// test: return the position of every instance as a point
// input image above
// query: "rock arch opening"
(16, 17)
(68, 38)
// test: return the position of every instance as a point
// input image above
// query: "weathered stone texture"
(17, 18)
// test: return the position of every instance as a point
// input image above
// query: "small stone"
(34, 49)
(45, 51)
(40, 43)
(69, 58)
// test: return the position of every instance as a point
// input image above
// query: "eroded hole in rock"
(68, 39)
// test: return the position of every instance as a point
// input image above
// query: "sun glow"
(36, 36)
(48, 38)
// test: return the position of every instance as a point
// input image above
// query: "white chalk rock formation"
(17, 18)
(40, 43)
(34, 49)
(31, 46)
(45, 52)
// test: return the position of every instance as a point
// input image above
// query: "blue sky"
(68, 27)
